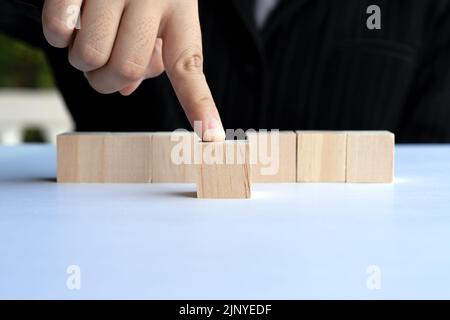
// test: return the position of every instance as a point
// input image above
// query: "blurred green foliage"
(22, 65)
(33, 135)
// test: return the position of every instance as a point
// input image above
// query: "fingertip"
(125, 93)
(214, 132)
(131, 88)
(214, 136)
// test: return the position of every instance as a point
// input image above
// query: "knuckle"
(203, 101)
(100, 90)
(90, 57)
(130, 71)
(55, 27)
(190, 61)
(96, 85)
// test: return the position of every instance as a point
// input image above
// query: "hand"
(123, 42)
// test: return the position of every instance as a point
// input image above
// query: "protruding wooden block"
(321, 156)
(173, 157)
(370, 157)
(104, 158)
(225, 171)
(273, 156)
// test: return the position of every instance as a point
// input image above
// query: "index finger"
(183, 59)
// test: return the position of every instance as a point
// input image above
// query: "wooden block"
(127, 158)
(80, 157)
(370, 157)
(273, 156)
(103, 158)
(173, 157)
(321, 156)
(225, 171)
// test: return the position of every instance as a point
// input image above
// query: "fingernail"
(214, 131)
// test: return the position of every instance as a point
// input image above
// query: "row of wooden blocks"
(227, 169)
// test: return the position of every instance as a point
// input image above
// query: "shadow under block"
(173, 157)
(273, 156)
(104, 158)
(225, 171)
(370, 157)
(321, 156)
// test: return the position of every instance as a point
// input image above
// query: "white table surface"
(290, 241)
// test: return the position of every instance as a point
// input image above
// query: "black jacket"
(315, 65)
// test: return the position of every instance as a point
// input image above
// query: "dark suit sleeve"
(428, 107)
(22, 19)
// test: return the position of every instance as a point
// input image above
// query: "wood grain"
(103, 158)
(273, 156)
(321, 156)
(370, 157)
(228, 176)
(168, 149)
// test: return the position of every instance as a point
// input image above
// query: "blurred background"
(31, 109)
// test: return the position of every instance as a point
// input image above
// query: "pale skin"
(123, 42)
